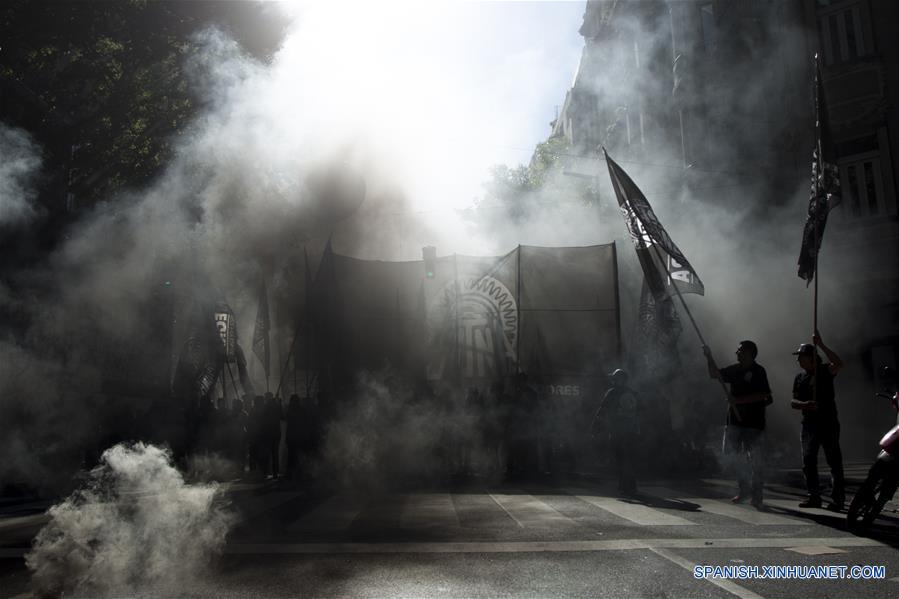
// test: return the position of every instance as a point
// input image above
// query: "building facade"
(713, 102)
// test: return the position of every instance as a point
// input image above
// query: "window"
(633, 125)
(709, 29)
(642, 132)
(861, 180)
(842, 35)
(627, 121)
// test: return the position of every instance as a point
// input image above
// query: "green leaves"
(103, 82)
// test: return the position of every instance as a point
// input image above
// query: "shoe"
(835, 506)
(811, 502)
(758, 504)
(739, 498)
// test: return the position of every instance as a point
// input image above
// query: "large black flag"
(824, 194)
(663, 263)
(260, 331)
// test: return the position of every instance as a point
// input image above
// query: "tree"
(517, 190)
(107, 82)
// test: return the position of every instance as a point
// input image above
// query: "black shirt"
(746, 381)
(621, 404)
(804, 390)
(619, 408)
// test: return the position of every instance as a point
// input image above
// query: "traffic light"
(429, 255)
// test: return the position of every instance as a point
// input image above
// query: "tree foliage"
(103, 82)
(543, 180)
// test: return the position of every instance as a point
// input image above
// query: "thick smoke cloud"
(736, 211)
(20, 162)
(391, 433)
(235, 204)
(136, 528)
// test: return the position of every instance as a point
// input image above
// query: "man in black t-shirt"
(744, 440)
(813, 393)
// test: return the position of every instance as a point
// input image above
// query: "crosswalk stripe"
(337, 513)
(728, 585)
(429, 510)
(793, 505)
(743, 513)
(479, 510)
(526, 546)
(530, 512)
(635, 512)
(540, 546)
(729, 487)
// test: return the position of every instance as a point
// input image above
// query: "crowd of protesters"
(249, 433)
(506, 430)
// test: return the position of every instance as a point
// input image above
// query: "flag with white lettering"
(664, 266)
(824, 194)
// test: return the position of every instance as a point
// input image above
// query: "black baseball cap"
(805, 349)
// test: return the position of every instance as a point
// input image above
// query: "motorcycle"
(882, 480)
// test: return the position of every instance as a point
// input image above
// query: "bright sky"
(438, 91)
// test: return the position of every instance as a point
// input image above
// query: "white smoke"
(390, 432)
(135, 527)
(233, 202)
(19, 163)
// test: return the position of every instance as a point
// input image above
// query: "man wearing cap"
(619, 410)
(813, 393)
(744, 438)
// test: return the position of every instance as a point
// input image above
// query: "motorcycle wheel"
(868, 502)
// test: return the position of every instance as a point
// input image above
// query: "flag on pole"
(663, 263)
(824, 194)
(260, 331)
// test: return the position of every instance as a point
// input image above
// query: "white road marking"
(724, 507)
(337, 513)
(525, 546)
(429, 510)
(503, 508)
(544, 546)
(730, 487)
(530, 512)
(815, 550)
(723, 583)
(24, 521)
(793, 505)
(635, 512)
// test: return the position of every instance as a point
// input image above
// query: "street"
(575, 539)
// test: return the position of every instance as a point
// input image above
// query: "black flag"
(260, 331)
(663, 263)
(824, 194)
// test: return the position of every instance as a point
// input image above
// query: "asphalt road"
(576, 539)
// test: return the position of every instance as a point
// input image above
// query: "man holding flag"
(668, 272)
(743, 445)
(813, 390)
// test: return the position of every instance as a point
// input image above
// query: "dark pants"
(816, 435)
(744, 455)
(274, 446)
(623, 445)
